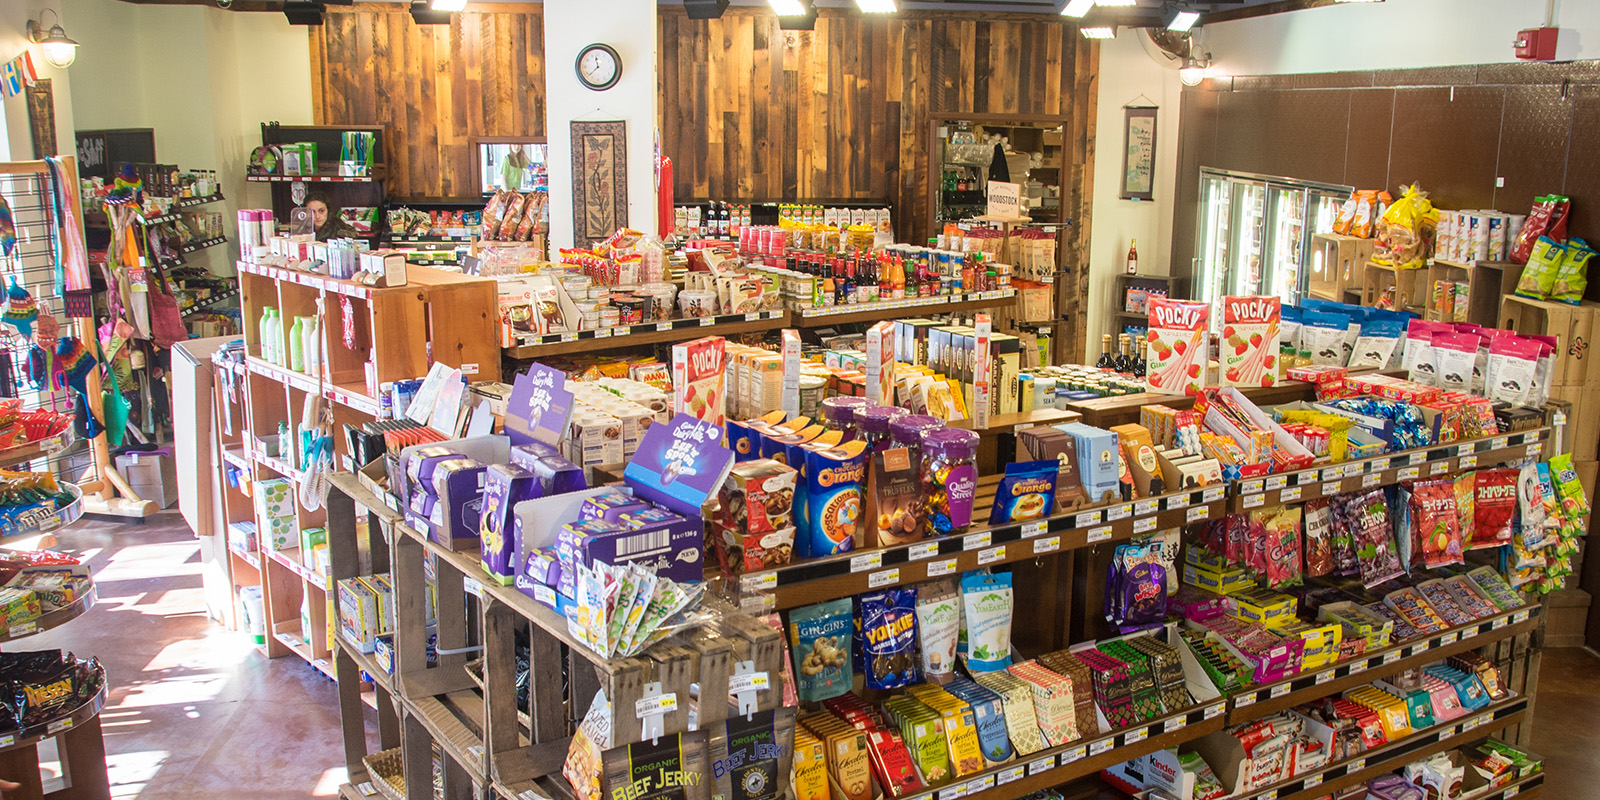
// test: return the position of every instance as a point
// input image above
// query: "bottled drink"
(1125, 355)
(1133, 256)
(1139, 363)
(1106, 360)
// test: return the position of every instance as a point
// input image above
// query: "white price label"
(992, 555)
(1448, 732)
(1031, 529)
(1371, 480)
(749, 682)
(1324, 677)
(1280, 690)
(1468, 462)
(1144, 524)
(1499, 623)
(1333, 473)
(1255, 500)
(1417, 458)
(1213, 494)
(1465, 449)
(706, 322)
(545, 594)
(1251, 487)
(651, 706)
(472, 586)
(1449, 638)
(1041, 765)
(1100, 534)
(1136, 735)
(1312, 780)
(1500, 443)
(664, 326)
(1014, 774)
(760, 581)
(59, 725)
(866, 561)
(604, 333)
(1245, 700)
(1173, 724)
(1408, 473)
(953, 792)
(1102, 746)
(1533, 449)
(1289, 495)
(1520, 617)
(1075, 754)
(887, 577)
(1331, 488)
(1212, 712)
(1439, 468)
(1272, 795)
(1512, 791)
(569, 337)
(924, 550)
(1177, 502)
(1198, 513)
(1119, 512)
(1144, 508)
(1085, 520)
(945, 567)
(1391, 657)
(1277, 482)
(1355, 765)
(24, 629)
(1049, 544)
(976, 541)
(1378, 464)
(752, 316)
(1421, 647)
(364, 788)
(982, 784)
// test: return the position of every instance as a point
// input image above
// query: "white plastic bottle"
(266, 333)
(311, 345)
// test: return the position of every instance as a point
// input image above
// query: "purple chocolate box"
(505, 485)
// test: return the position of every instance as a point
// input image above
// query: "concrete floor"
(197, 712)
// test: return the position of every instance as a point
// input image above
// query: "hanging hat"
(21, 309)
(8, 230)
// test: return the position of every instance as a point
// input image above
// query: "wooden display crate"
(1409, 292)
(1573, 326)
(1337, 264)
(1490, 281)
(1451, 272)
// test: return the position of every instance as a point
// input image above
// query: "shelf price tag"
(1086, 520)
(1500, 443)
(1417, 458)
(1370, 480)
(471, 585)
(1519, 617)
(752, 316)
(1102, 746)
(1449, 638)
(1048, 544)
(1512, 791)
(992, 555)
(1213, 494)
(1498, 623)
(1255, 500)
(1331, 488)
(1177, 502)
(1032, 529)
(1280, 690)
(1198, 513)
(706, 322)
(866, 561)
(1251, 487)
(976, 541)
(569, 337)
(1468, 462)
(1391, 657)
(1212, 712)
(1277, 482)
(1013, 774)
(1378, 464)
(603, 333)
(1312, 780)
(748, 682)
(59, 725)
(651, 706)
(1324, 677)
(1533, 449)
(921, 551)
(1100, 534)
(1409, 473)
(1144, 524)
(1135, 735)
(886, 577)
(1075, 754)
(1272, 795)
(1466, 449)
(1039, 765)
(760, 581)
(945, 567)
(1245, 700)
(1119, 512)
(1176, 723)
(1289, 495)
(1356, 765)
(664, 326)
(24, 629)
(1144, 508)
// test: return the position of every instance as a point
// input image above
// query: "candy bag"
(889, 638)
(987, 605)
(1572, 277)
(1376, 343)
(1534, 523)
(1375, 545)
(1494, 507)
(1454, 356)
(1280, 543)
(1418, 354)
(1513, 363)
(1319, 538)
(1026, 492)
(1544, 263)
(1323, 334)
(1466, 515)
(1433, 517)
(1344, 519)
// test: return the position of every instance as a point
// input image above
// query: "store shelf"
(313, 178)
(432, 239)
(1259, 701)
(368, 664)
(1369, 473)
(283, 559)
(247, 556)
(277, 465)
(42, 448)
(52, 619)
(359, 790)
(236, 456)
(895, 309)
(214, 298)
(439, 717)
(348, 396)
(33, 734)
(35, 523)
(303, 650)
(190, 247)
(815, 580)
(1394, 755)
(648, 333)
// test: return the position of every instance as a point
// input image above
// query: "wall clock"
(599, 67)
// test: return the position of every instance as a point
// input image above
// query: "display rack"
(1121, 318)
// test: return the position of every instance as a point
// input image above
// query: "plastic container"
(949, 477)
(872, 423)
(907, 429)
(697, 303)
(297, 345)
(838, 414)
(812, 388)
(253, 613)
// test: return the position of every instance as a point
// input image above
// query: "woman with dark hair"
(326, 217)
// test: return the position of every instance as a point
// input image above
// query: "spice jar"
(873, 424)
(838, 414)
(949, 477)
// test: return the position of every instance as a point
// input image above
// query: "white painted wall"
(14, 16)
(1395, 34)
(1126, 72)
(629, 26)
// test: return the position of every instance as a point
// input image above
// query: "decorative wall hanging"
(599, 180)
(1138, 152)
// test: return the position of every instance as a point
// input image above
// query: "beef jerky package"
(671, 767)
(750, 757)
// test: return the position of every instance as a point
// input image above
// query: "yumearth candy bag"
(938, 626)
(988, 604)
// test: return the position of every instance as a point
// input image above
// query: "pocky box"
(1177, 355)
(1249, 353)
(699, 378)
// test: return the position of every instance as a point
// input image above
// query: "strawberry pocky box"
(1177, 354)
(1249, 351)
(698, 378)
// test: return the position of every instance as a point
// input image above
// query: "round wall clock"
(599, 67)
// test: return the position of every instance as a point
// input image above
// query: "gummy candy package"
(1342, 520)
(1466, 494)
(1278, 544)
(1433, 518)
(1375, 545)
(1318, 538)
(1494, 507)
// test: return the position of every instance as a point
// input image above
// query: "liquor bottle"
(1133, 256)
(1125, 355)
(1106, 361)
(1139, 363)
(841, 285)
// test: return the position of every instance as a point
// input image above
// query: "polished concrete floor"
(194, 711)
(197, 712)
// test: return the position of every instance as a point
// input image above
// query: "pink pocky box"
(1249, 351)
(1177, 354)
(699, 376)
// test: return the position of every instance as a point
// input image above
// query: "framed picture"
(1138, 153)
(599, 180)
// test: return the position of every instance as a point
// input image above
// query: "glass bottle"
(1139, 365)
(1106, 360)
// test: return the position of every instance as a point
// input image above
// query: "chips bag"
(1544, 263)
(1548, 218)
(1572, 277)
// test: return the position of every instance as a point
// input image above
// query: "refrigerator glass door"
(1249, 233)
(1286, 242)
(1216, 218)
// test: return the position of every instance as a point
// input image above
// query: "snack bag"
(1466, 489)
(1324, 335)
(1544, 263)
(938, 629)
(1368, 517)
(833, 498)
(1376, 343)
(1346, 214)
(1177, 355)
(1512, 366)
(1433, 517)
(1494, 507)
(987, 607)
(1026, 492)
(820, 636)
(1277, 549)
(889, 638)
(1405, 233)
(1250, 340)
(1417, 360)
(1362, 220)
(1455, 357)
(1319, 538)
(1572, 277)
(1548, 218)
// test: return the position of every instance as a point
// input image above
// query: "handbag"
(166, 318)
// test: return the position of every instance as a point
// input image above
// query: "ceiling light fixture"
(1115, 3)
(876, 6)
(1099, 32)
(1193, 72)
(449, 5)
(58, 50)
(1077, 8)
(1181, 20)
(788, 8)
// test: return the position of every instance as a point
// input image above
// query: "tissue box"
(275, 512)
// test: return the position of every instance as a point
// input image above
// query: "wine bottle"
(1139, 363)
(1125, 355)
(1133, 256)
(1106, 361)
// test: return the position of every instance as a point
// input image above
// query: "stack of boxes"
(441, 492)
(1077, 673)
(275, 513)
(1165, 666)
(366, 610)
(615, 528)
(595, 406)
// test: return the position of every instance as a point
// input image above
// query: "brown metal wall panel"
(1533, 145)
(1334, 80)
(1303, 134)
(1583, 164)
(1197, 128)
(1241, 118)
(1366, 163)
(1263, 83)
(1530, 72)
(1427, 76)
(1448, 140)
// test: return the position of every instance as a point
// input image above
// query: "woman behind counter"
(326, 216)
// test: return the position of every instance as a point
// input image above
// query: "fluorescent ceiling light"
(1077, 8)
(1099, 32)
(1182, 21)
(449, 5)
(788, 8)
(876, 6)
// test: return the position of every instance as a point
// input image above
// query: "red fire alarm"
(1537, 44)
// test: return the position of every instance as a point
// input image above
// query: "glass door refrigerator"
(1255, 233)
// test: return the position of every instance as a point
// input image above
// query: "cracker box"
(1249, 349)
(1177, 354)
(699, 378)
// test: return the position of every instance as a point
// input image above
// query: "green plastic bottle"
(297, 348)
